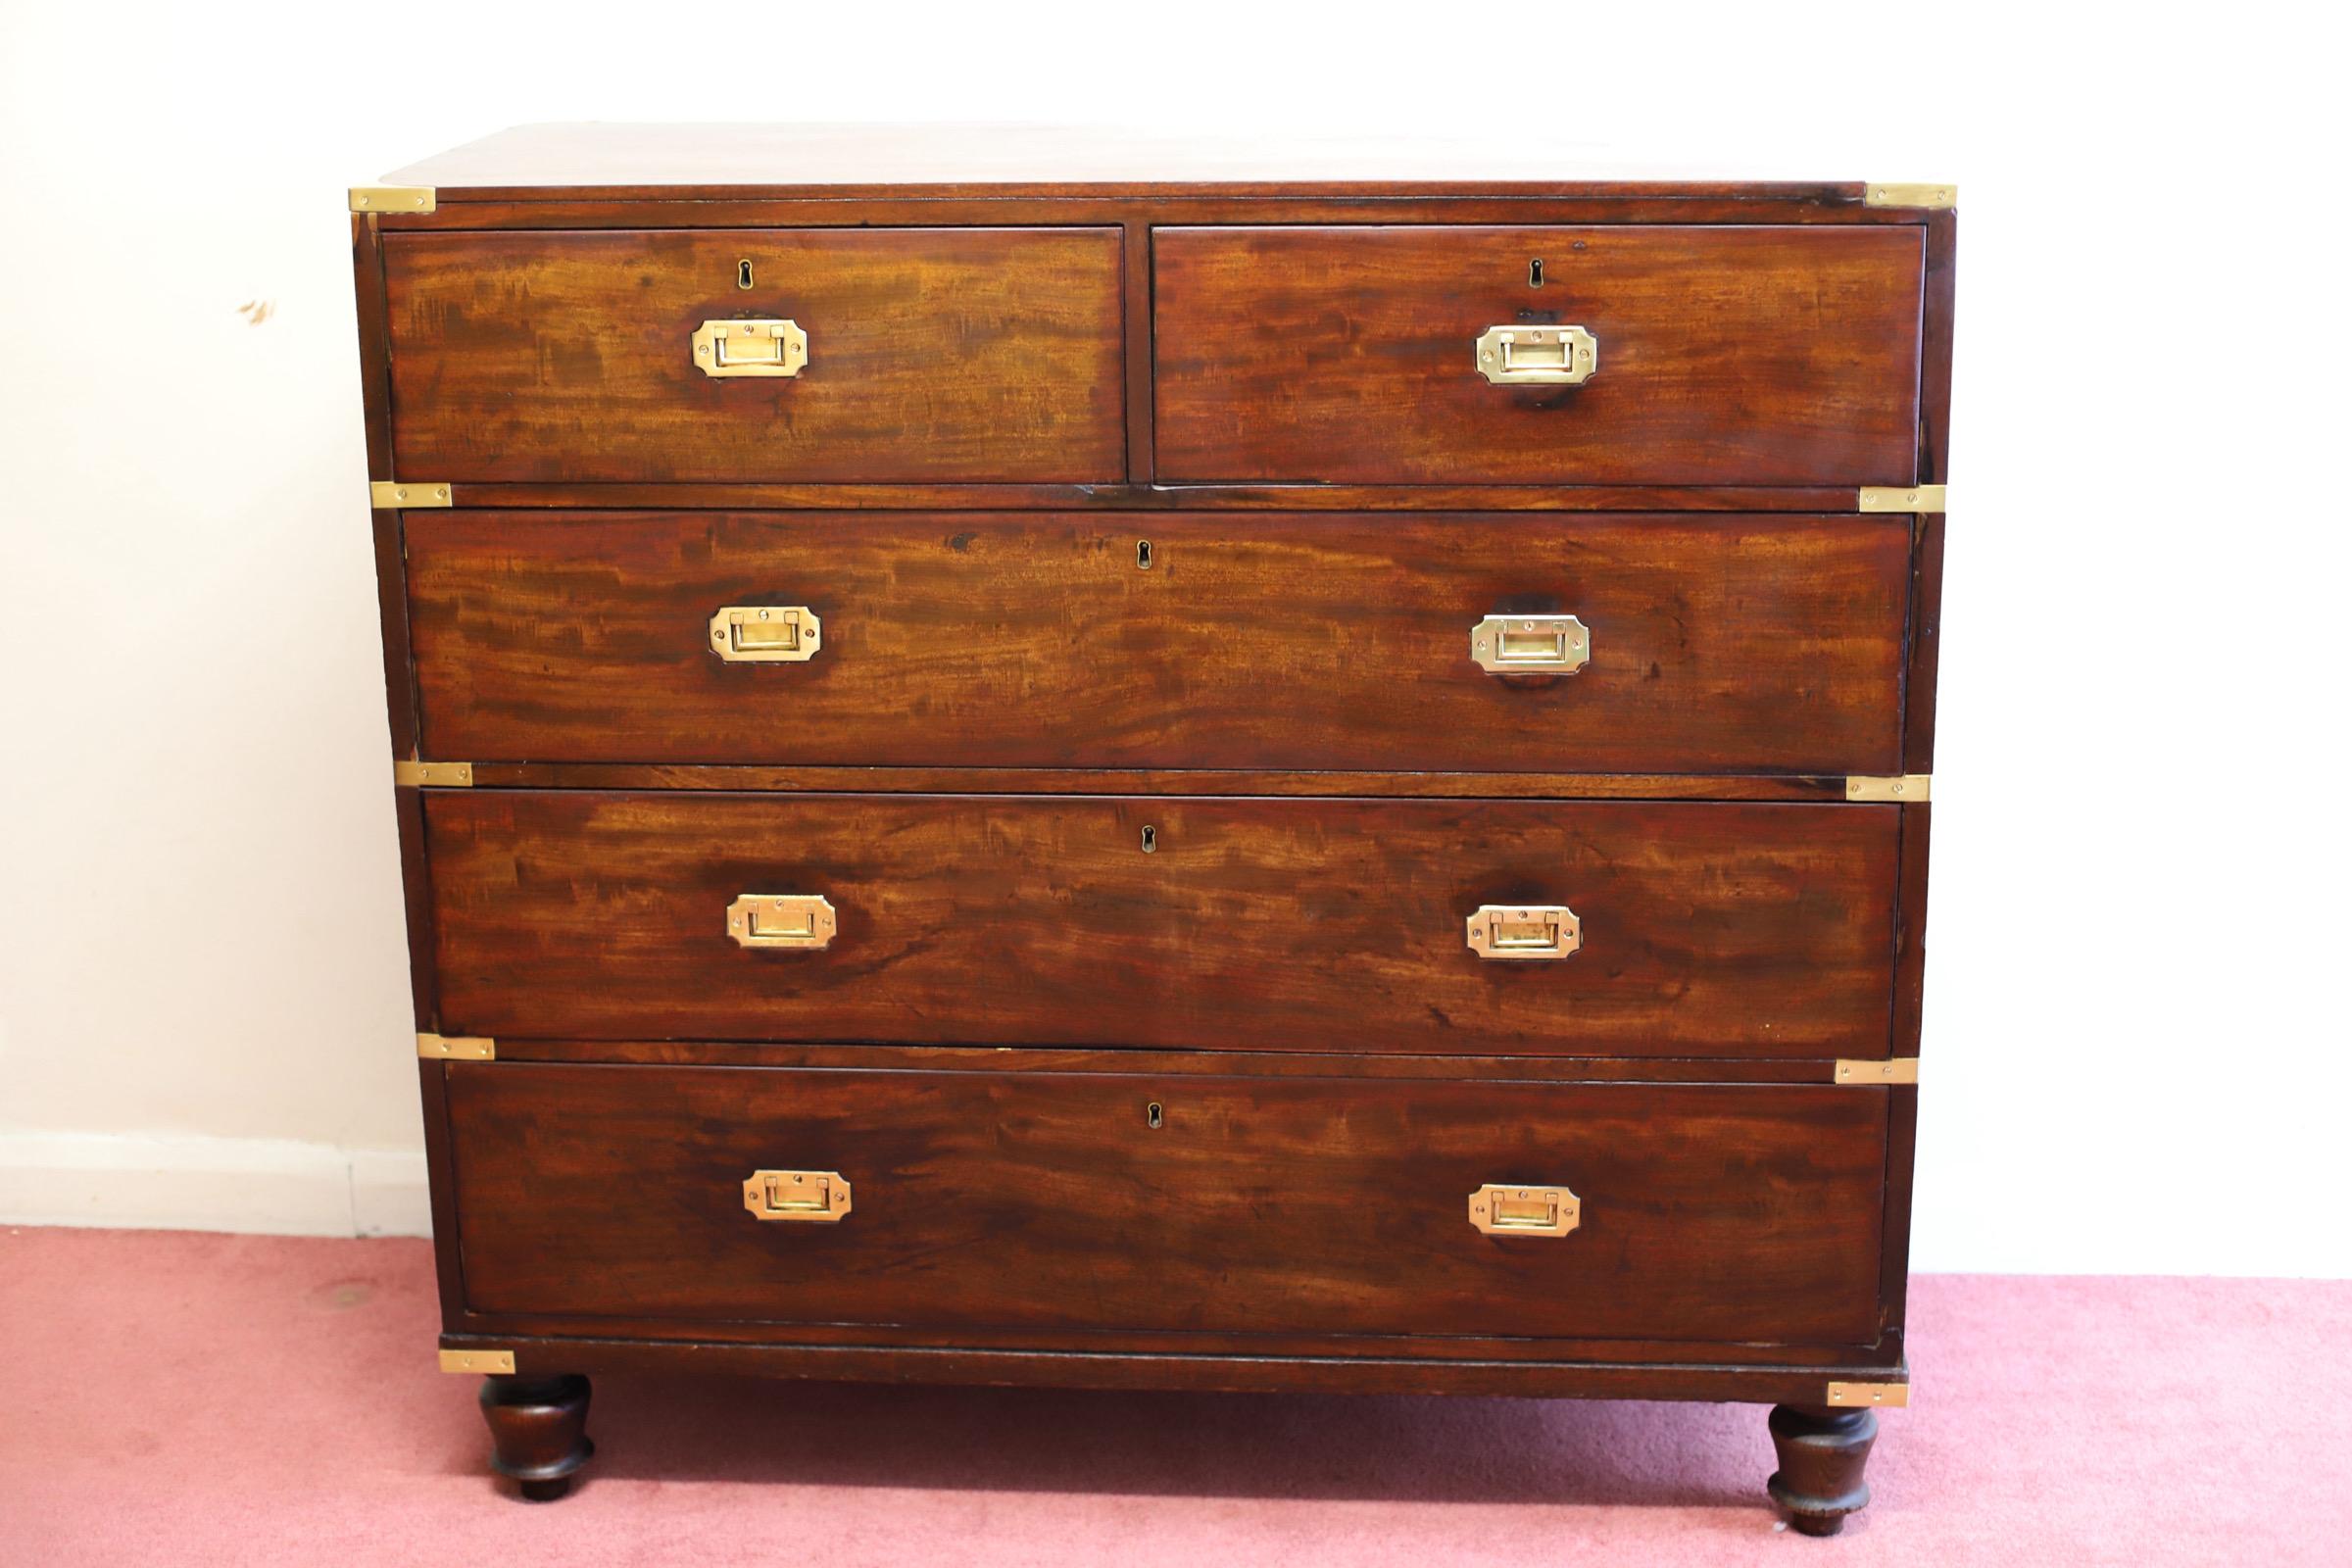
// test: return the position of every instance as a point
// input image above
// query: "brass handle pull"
(815, 1196)
(751, 634)
(1524, 931)
(1525, 1210)
(781, 920)
(1532, 645)
(750, 347)
(1538, 356)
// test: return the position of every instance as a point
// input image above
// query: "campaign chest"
(1045, 774)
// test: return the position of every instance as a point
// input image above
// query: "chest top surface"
(671, 159)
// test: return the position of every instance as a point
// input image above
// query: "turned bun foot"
(1822, 1452)
(538, 1432)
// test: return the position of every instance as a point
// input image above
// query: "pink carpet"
(170, 1399)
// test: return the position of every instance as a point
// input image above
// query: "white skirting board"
(264, 1186)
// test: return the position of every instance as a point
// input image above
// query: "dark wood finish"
(1277, 925)
(416, 904)
(1911, 928)
(1935, 349)
(538, 1431)
(1737, 643)
(1926, 640)
(1161, 497)
(1910, 982)
(1113, 208)
(1210, 1371)
(392, 624)
(375, 386)
(1135, 254)
(1163, 781)
(1895, 1251)
(1727, 355)
(934, 354)
(1881, 1361)
(1730, 957)
(432, 1083)
(1047, 1199)
(1822, 1452)
(1814, 1070)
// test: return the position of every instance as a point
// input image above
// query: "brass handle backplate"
(1524, 931)
(781, 920)
(752, 634)
(1532, 645)
(1538, 356)
(750, 347)
(816, 1197)
(1525, 1210)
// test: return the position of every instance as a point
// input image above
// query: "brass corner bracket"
(1888, 193)
(436, 776)
(392, 198)
(499, 1362)
(1892, 497)
(401, 495)
(1891, 1071)
(1889, 1396)
(457, 1047)
(1904, 789)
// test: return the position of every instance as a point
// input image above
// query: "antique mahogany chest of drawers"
(1060, 776)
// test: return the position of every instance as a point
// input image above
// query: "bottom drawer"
(1171, 1202)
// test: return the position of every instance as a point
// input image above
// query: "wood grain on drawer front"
(1726, 355)
(1047, 1200)
(1254, 924)
(934, 354)
(1717, 643)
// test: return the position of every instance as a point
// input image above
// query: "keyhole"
(743, 273)
(1152, 1114)
(1535, 272)
(1143, 554)
(1151, 839)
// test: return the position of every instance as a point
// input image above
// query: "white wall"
(2135, 1060)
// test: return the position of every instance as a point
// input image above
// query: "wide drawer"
(977, 1199)
(1762, 930)
(1719, 354)
(1703, 643)
(931, 354)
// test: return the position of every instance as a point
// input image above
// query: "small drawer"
(1520, 643)
(1605, 355)
(1431, 927)
(756, 354)
(1176, 1203)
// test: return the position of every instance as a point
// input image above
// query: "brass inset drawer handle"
(1525, 1210)
(1538, 356)
(1510, 645)
(750, 347)
(1524, 931)
(751, 634)
(816, 1197)
(781, 920)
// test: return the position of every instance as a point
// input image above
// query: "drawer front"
(1761, 930)
(1711, 643)
(1722, 355)
(1049, 1201)
(969, 353)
